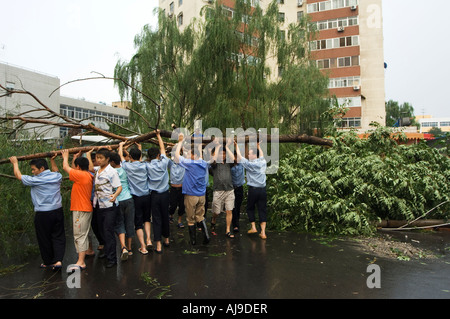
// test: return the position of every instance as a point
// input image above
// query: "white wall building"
(42, 85)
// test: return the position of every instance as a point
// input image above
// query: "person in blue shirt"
(125, 214)
(49, 216)
(157, 170)
(176, 197)
(138, 182)
(238, 179)
(255, 167)
(194, 188)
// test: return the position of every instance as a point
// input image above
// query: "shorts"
(222, 199)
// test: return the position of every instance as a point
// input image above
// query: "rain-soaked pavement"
(285, 266)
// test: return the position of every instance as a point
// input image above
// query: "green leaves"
(345, 189)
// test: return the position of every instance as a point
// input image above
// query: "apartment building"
(41, 85)
(348, 48)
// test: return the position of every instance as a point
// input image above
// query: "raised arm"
(238, 152)
(65, 156)
(16, 169)
(53, 163)
(120, 151)
(162, 149)
(91, 164)
(178, 149)
(261, 154)
(229, 152)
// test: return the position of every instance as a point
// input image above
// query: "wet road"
(285, 266)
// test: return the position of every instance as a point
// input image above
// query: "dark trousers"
(238, 198)
(141, 210)
(160, 215)
(50, 235)
(96, 229)
(106, 219)
(176, 199)
(257, 198)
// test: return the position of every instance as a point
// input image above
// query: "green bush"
(345, 189)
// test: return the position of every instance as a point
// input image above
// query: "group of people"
(120, 195)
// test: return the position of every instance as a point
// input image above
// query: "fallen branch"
(148, 137)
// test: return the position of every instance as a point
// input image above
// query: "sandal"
(229, 235)
(180, 225)
(124, 255)
(142, 251)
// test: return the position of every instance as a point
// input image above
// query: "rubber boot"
(206, 237)
(192, 235)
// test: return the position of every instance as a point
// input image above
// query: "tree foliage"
(216, 70)
(345, 189)
(396, 111)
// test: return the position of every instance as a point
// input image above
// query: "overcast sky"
(70, 39)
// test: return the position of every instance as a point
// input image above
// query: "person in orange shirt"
(80, 204)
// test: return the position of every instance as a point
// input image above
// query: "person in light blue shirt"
(176, 197)
(49, 216)
(238, 179)
(125, 214)
(158, 174)
(255, 167)
(138, 182)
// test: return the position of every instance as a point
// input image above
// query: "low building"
(42, 85)
(427, 122)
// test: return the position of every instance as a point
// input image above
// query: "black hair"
(115, 158)
(135, 154)
(104, 152)
(83, 162)
(153, 153)
(39, 163)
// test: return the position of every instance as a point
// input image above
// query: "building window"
(281, 16)
(341, 62)
(180, 2)
(171, 8)
(445, 123)
(351, 122)
(349, 101)
(335, 43)
(429, 124)
(180, 19)
(281, 1)
(330, 5)
(299, 16)
(350, 81)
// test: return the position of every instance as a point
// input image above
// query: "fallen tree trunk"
(168, 134)
(419, 223)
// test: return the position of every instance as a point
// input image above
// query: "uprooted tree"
(215, 70)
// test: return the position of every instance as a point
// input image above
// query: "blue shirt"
(176, 173)
(158, 174)
(256, 171)
(45, 190)
(194, 182)
(238, 175)
(137, 177)
(125, 193)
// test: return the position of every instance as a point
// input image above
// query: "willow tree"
(217, 70)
